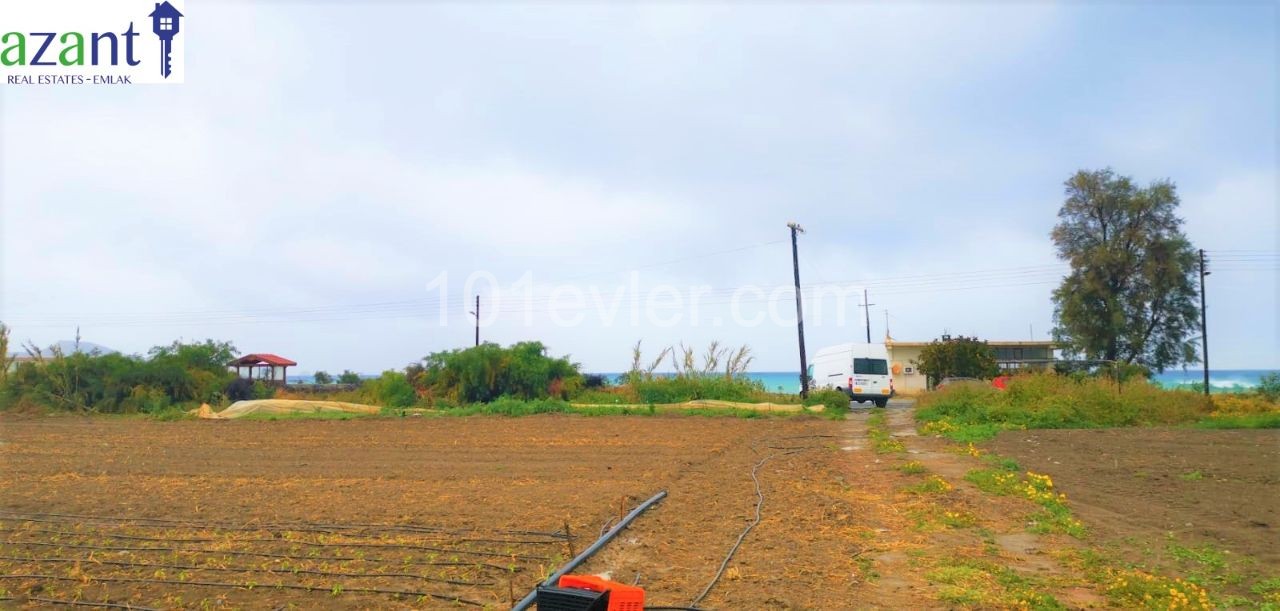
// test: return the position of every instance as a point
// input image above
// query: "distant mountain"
(69, 347)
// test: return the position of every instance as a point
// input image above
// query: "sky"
(332, 173)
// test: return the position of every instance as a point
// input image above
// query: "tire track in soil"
(1020, 550)
(896, 579)
(825, 517)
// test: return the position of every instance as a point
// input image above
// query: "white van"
(859, 370)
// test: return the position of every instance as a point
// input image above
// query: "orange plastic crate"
(622, 597)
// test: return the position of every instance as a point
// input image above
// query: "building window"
(908, 370)
(166, 23)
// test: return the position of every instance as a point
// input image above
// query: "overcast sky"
(324, 162)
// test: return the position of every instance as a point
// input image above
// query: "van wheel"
(882, 402)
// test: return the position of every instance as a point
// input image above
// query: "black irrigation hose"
(84, 603)
(528, 599)
(243, 569)
(759, 507)
(255, 554)
(272, 540)
(105, 535)
(218, 584)
(741, 537)
(425, 548)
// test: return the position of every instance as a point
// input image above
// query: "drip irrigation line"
(442, 541)
(243, 569)
(106, 535)
(755, 479)
(255, 554)
(219, 584)
(85, 603)
(294, 526)
(425, 548)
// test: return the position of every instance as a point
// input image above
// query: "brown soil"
(477, 508)
(1143, 490)
(480, 502)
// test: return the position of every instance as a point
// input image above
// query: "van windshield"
(875, 367)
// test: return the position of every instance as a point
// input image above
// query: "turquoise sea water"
(1220, 380)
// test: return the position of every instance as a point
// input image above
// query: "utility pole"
(1204, 328)
(866, 304)
(887, 336)
(795, 266)
(476, 313)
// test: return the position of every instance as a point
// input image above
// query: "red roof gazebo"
(270, 367)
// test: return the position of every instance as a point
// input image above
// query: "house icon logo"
(91, 43)
(165, 22)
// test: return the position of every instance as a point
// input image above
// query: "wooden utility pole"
(476, 313)
(795, 266)
(1204, 328)
(866, 303)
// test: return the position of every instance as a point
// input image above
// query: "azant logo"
(64, 42)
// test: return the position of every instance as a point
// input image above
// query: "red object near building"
(1000, 382)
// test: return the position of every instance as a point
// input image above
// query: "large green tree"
(1131, 294)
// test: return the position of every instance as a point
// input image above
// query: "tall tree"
(1130, 296)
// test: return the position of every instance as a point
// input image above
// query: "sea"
(1220, 380)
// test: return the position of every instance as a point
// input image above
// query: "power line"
(409, 306)
(1262, 261)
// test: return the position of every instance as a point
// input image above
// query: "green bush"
(116, 383)
(489, 371)
(1047, 400)
(508, 406)
(348, 377)
(263, 390)
(833, 401)
(391, 389)
(146, 400)
(692, 387)
(607, 396)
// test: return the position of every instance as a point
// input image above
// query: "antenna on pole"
(795, 267)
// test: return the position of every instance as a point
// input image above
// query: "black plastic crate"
(570, 599)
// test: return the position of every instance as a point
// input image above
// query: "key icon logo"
(164, 22)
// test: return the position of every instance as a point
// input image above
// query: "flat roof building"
(1010, 356)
